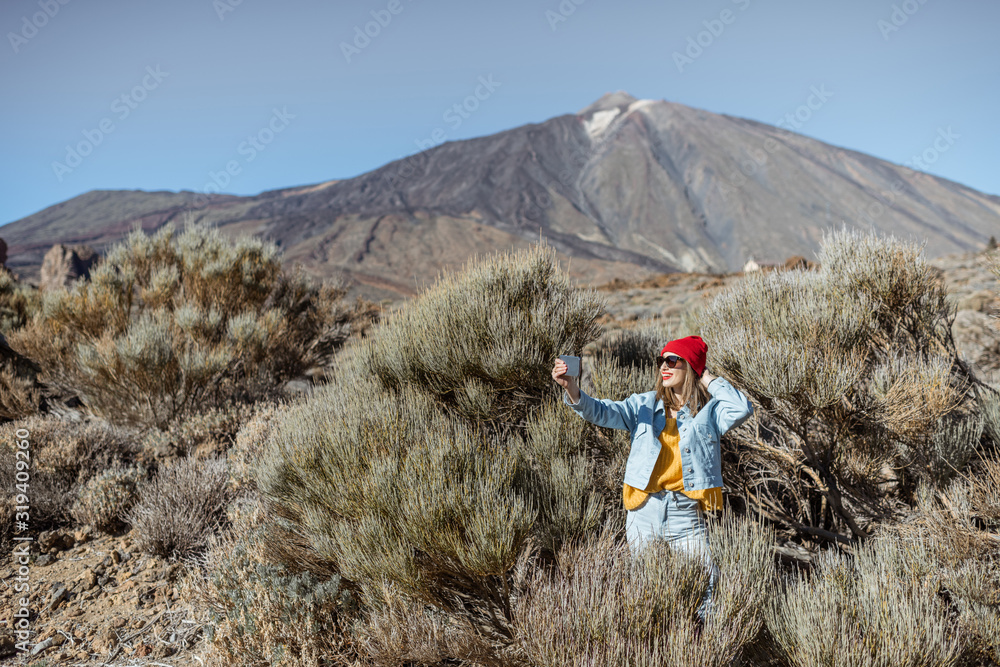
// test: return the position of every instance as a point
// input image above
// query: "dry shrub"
(18, 302)
(437, 514)
(172, 324)
(605, 606)
(959, 524)
(475, 523)
(64, 456)
(429, 462)
(482, 342)
(856, 376)
(975, 587)
(106, 497)
(564, 472)
(989, 407)
(390, 489)
(20, 395)
(202, 435)
(742, 548)
(181, 507)
(637, 347)
(881, 609)
(907, 297)
(398, 631)
(250, 442)
(8, 477)
(985, 497)
(261, 613)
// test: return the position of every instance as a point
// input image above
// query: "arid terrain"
(99, 600)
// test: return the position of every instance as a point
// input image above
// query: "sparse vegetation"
(63, 458)
(862, 390)
(435, 504)
(105, 498)
(18, 302)
(179, 509)
(172, 324)
(262, 613)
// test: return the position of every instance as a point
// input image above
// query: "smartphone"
(572, 365)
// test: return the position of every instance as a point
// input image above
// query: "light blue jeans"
(672, 516)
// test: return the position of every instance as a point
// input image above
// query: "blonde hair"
(693, 394)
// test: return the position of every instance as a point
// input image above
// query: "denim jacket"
(645, 418)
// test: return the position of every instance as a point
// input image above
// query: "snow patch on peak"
(599, 122)
(640, 104)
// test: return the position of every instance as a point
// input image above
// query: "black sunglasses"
(672, 360)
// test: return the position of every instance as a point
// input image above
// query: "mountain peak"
(608, 101)
(627, 188)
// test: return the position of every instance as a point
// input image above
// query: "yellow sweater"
(668, 474)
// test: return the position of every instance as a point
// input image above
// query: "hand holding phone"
(565, 372)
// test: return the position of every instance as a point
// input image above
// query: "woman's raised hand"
(706, 379)
(567, 382)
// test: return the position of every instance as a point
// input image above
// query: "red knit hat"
(692, 349)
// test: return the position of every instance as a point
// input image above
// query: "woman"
(674, 469)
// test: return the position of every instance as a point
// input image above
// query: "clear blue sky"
(225, 67)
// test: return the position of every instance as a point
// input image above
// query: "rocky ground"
(102, 602)
(975, 291)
